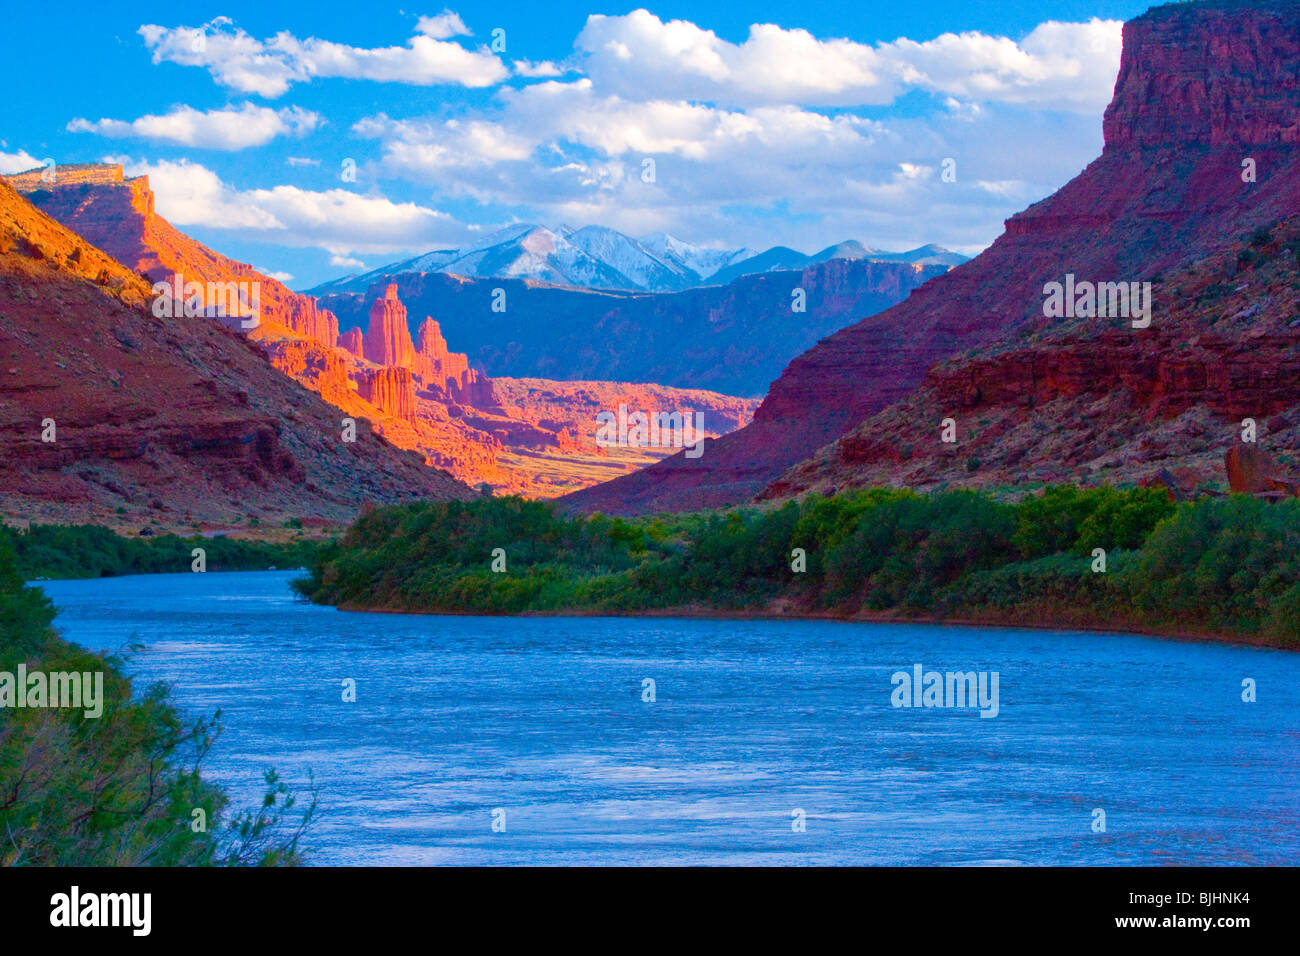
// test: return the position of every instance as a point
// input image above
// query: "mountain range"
(734, 338)
(596, 257)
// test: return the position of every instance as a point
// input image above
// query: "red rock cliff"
(118, 216)
(390, 389)
(1219, 74)
(434, 362)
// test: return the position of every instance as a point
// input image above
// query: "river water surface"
(755, 728)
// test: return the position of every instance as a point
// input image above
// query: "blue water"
(544, 718)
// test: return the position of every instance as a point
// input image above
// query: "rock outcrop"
(1253, 471)
(353, 341)
(117, 215)
(391, 389)
(435, 363)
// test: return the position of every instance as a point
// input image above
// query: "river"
(485, 740)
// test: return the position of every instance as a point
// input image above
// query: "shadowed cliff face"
(183, 421)
(1202, 88)
(1097, 401)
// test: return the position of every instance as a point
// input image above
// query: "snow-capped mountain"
(592, 257)
(596, 257)
(785, 259)
(698, 259)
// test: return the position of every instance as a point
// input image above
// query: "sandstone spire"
(388, 340)
(434, 362)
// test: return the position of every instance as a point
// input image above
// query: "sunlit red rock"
(388, 340)
(352, 340)
(391, 389)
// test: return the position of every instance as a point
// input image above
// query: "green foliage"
(1230, 565)
(122, 788)
(1065, 518)
(89, 551)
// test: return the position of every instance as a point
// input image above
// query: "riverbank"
(118, 778)
(704, 613)
(1101, 559)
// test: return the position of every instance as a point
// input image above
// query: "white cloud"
(302, 161)
(444, 26)
(423, 146)
(237, 60)
(19, 162)
(231, 128)
(756, 142)
(538, 71)
(277, 276)
(339, 221)
(1067, 66)
(344, 262)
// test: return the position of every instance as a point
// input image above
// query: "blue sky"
(764, 123)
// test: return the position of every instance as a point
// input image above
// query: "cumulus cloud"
(1057, 66)
(539, 71)
(345, 262)
(444, 26)
(19, 162)
(336, 220)
(231, 128)
(423, 146)
(277, 276)
(759, 176)
(237, 60)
